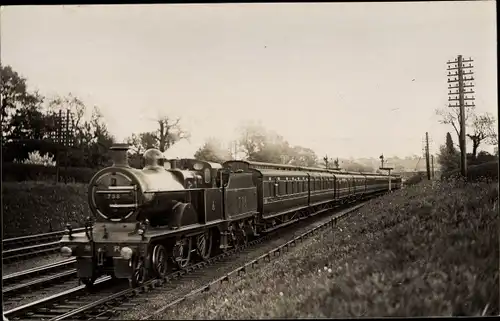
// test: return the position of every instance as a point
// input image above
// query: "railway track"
(24, 247)
(31, 279)
(253, 263)
(112, 296)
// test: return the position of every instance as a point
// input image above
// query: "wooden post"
(460, 77)
(427, 162)
(387, 169)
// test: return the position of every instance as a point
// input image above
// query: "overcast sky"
(347, 79)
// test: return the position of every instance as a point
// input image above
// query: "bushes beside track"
(415, 179)
(488, 171)
(430, 249)
(39, 207)
(13, 172)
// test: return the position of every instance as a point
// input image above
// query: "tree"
(97, 139)
(484, 156)
(261, 145)
(27, 122)
(336, 163)
(353, 166)
(252, 140)
(213, 151)
(142, 142)
(168, 133)
(301, 156)
(448, 157)
(483, 129)
(135, 144)
(69, 102)
(326, 162)
(451, 116)
(21, 116)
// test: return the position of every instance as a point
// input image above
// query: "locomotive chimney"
(119, 154)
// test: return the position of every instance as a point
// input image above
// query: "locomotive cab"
(204, 173)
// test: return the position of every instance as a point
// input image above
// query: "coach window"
(276, 187)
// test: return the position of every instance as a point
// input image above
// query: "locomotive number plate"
(113, 196)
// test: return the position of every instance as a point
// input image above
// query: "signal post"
(386, 168)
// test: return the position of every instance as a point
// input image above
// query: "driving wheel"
(159, 261)
(204, 245)
(139, 274)
(182, 252)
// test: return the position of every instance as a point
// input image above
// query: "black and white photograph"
(239, 160)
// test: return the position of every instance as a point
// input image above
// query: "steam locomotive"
(148, 221)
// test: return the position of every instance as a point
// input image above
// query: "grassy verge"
(431, 249)
(39, 207)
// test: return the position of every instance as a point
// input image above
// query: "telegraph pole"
(459, 76)
(427, 162)
(432, 165)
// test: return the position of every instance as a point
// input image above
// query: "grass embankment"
(431, 249)
(39, 207)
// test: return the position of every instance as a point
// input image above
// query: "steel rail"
(24, 310)
(50, 309)
(88, 311)
(12, 242)
(18, 248)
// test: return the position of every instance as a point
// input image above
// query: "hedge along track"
(78, 303)
(24, 247)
